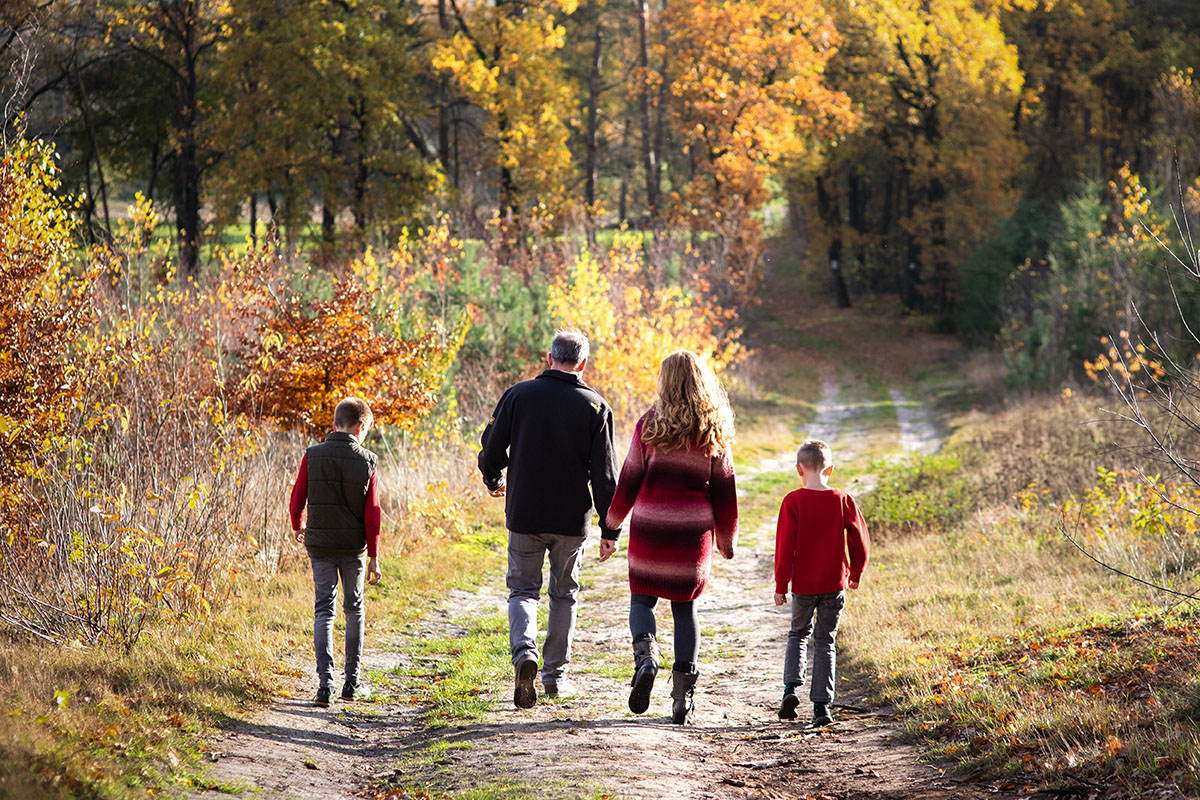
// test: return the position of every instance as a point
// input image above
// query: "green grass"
(456, 670)
(920, 493)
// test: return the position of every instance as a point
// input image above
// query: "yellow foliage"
(508, 65)
(632, 327)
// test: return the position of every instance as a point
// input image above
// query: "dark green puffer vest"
(339, 474)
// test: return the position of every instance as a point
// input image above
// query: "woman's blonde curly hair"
(691, 409)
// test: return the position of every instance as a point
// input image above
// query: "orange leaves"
(746, 89)
(46, 307)
(305, 348)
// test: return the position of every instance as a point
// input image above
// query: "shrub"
(927, 493)
(302, 352)
(633, 326)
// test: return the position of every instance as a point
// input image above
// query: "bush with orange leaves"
(46, 307)
(308, 341)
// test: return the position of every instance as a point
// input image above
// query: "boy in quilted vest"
(338, 482)
(821, 548)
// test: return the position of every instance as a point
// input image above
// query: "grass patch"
(920, 493)
(455, 671)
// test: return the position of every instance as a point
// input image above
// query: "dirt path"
(590, 745)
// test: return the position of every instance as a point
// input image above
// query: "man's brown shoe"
(524, 692)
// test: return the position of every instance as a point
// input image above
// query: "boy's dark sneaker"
(791, 701)
(322, 698)
(524, 693)
(821, 715)
(351, 692)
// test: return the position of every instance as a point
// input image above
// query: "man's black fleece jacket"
(555, 436)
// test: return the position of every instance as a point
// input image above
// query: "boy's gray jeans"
(828, 610)
(352, 570)
(526, 554)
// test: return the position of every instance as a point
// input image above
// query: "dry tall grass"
(1011, 650)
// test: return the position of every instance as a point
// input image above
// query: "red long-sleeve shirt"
(821, 542)
(372, 513)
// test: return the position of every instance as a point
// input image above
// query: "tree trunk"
(187, 167)
(254, 219)
(593, 127)
(649, 157)
(830, 212)
(327, 221)
(85, 110)
(187, 201)
(89, 202)
(660, 116)
(155, 166)
(444, 105)
(361, 169)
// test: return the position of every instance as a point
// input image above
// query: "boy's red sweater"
(821, 542)
(372, 513)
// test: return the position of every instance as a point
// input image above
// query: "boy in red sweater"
(339, 484)
(821, 547)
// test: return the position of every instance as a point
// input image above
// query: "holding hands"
(607, 548)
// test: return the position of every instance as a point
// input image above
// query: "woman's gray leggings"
(687, 627)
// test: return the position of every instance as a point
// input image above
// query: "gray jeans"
(526, 554)
(828, 609)
(352, 570)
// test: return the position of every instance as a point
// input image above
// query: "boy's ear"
(828, 471)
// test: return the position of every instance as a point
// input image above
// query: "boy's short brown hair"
(350, 412)
(815, 455)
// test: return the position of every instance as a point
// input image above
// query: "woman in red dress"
(678, 482)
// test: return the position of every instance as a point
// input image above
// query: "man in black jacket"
(554, 435)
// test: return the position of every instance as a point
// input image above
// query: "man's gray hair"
(570, 346)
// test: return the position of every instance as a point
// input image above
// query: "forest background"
(220, 216)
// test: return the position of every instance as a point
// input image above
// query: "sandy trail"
(591, 745)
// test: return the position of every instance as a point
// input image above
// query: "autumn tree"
(746, 93)
(935, 160)
(323, 106)
(177, 41)
(47, 309)
(633, 326)
(504, 58)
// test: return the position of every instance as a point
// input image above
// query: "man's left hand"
(607, 548)
(498, 491)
